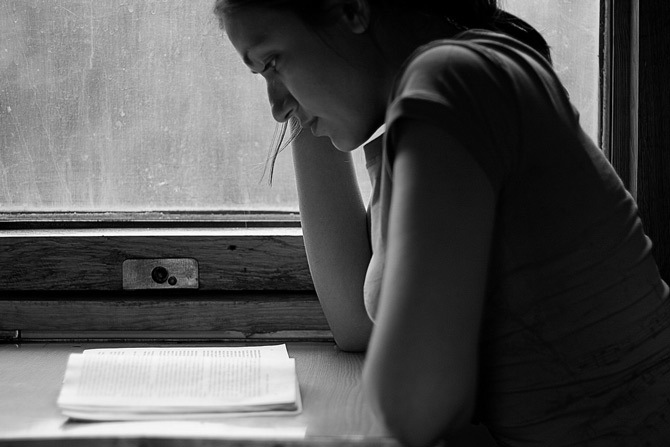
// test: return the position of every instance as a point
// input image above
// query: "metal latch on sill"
(9, 336)
(160, 273)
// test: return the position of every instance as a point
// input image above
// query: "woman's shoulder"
(478, 66)
(476, 42)
(473, 53)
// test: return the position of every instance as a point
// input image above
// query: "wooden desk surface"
(335, 411)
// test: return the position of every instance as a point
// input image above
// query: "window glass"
(572, 29)
(129, 105)
(142, 105)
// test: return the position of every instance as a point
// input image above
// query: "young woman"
(501, 259)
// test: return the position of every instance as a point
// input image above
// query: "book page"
(179, 379)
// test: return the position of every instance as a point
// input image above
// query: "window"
(571, 27)
(130, 130)
(136, 106)
(96, 97)
(130, 105)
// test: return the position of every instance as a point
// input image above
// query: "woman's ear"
(354, 14)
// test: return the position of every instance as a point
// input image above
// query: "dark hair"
(464, 14)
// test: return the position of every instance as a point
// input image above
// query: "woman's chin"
(346, 143)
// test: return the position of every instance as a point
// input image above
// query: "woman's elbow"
(352, 337)
(417, 416)
(420, 429)
(352, 342)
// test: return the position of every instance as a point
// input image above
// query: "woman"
(503, 268)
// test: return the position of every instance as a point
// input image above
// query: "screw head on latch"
(160, 274)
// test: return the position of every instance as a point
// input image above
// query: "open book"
(179, 382)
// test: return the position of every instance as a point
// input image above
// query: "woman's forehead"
(250, 27)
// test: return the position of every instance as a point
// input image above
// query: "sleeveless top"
(575, 345)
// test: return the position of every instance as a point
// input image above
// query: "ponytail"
(513, 26)
(482, 14)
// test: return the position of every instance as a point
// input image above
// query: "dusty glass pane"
(572, 29)
(129, 105)
(142, 105)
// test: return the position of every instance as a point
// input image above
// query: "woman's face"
(331, 81)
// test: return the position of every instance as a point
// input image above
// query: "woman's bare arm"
(336, 238)
(421, 369)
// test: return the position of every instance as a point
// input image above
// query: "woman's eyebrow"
(255, 43)
(246, 59)
(250, 64)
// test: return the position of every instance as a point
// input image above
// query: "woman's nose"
(281, 101)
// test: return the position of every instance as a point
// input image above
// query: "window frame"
(67, 283)
(61, 276)
(635, 109)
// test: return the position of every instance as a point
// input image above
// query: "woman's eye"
(268, 67)
(271, 65)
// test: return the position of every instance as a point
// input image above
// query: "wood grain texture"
(636, 110)
(618, 89)
(229, 315)
(653, 158)
(92, 260)
(335, 411)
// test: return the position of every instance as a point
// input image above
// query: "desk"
(334, 413)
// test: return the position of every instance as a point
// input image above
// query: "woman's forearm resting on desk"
(336, 239)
